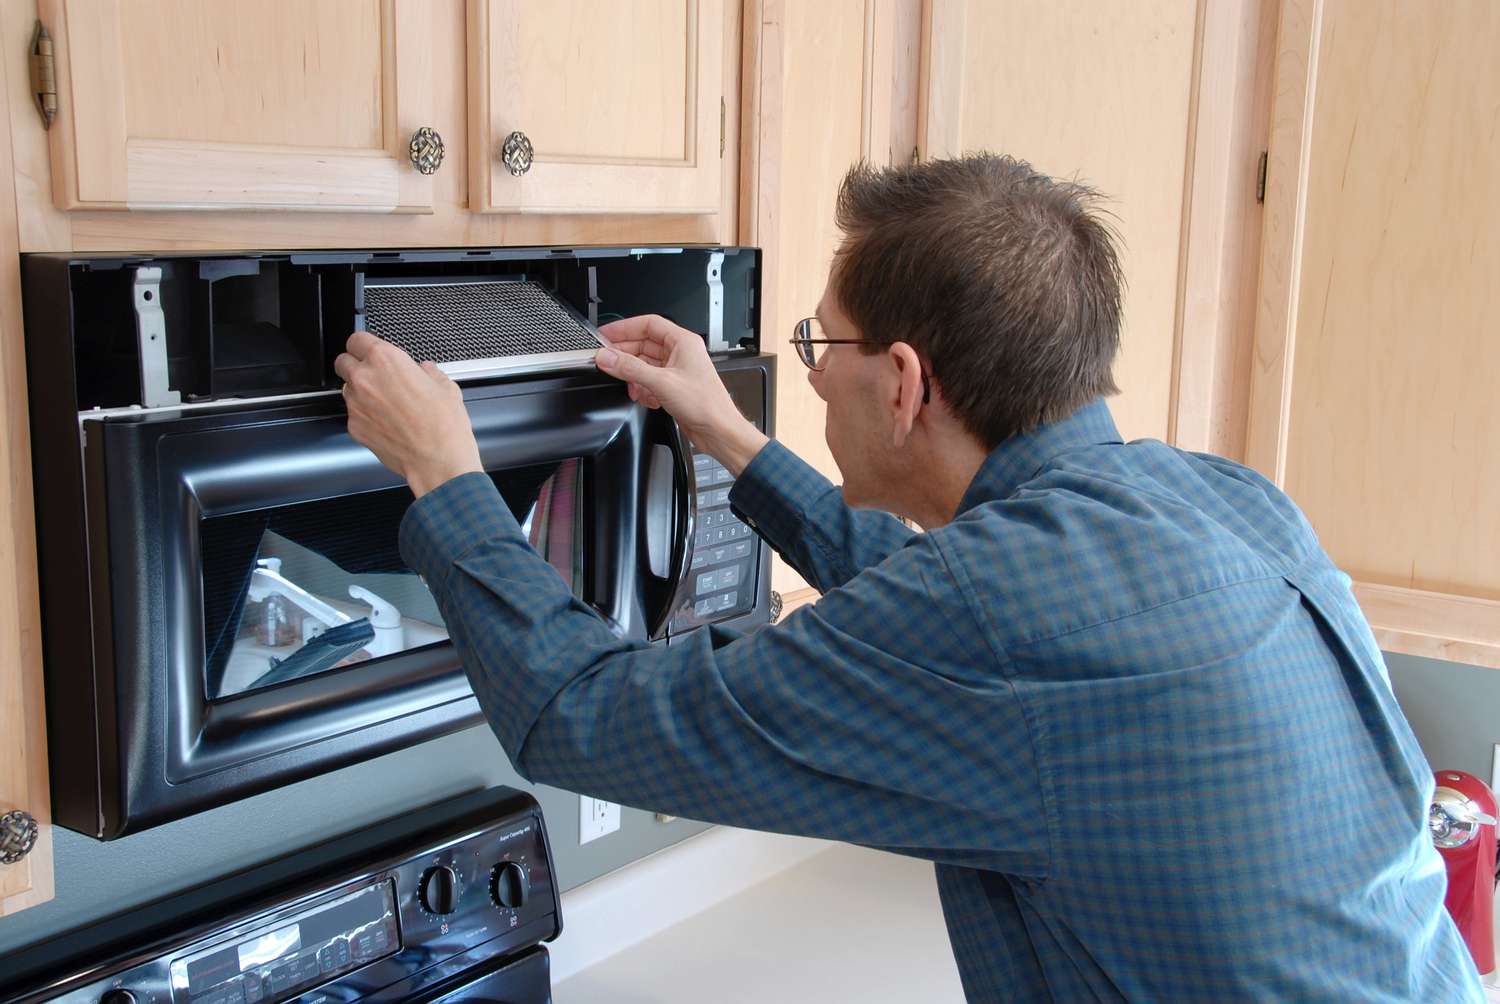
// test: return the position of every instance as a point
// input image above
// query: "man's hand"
(665, 366)
(411, 417)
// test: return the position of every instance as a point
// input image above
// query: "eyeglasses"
(807, 336)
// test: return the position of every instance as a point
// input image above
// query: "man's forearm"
(735, 445)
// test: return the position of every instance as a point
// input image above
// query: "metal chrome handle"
(426, 150)
(18, 833)
(516, 153)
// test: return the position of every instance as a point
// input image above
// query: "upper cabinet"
(1376, 356)
(577, 106)
(371, 106)
(1097, 92)
(240, 104)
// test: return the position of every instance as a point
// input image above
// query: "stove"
(447, 904)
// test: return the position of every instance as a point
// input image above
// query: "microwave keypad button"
(729, 577)
(706, 583)
(703, 608)
(740, 550)
(727, 601)
(720, 497)
(699, 560)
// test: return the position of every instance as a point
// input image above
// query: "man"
(1117, 693)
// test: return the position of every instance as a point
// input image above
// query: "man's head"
(1000, 283)
(1003, 280)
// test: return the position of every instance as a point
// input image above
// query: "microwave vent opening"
(474, 327)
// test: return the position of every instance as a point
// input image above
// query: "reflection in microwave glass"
(293, 591)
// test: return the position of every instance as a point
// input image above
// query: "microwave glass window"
(293, 591)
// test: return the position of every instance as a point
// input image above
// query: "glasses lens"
(806, 329)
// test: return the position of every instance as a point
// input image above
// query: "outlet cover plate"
(596, 818)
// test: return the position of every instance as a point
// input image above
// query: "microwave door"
(263, 626)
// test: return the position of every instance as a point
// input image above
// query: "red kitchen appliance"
(1462, 820)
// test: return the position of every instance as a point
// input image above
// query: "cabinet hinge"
(1260, 178)
(43, 75)
(723, 110)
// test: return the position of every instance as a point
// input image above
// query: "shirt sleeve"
(803, 516)
(874, 716)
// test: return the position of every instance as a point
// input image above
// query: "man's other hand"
(411, 417)
(666, 366)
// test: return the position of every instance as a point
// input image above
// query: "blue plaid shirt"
(1123, 701)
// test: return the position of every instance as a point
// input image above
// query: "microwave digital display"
(293, 591)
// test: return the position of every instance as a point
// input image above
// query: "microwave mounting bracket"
(151, 333)
(715, 279)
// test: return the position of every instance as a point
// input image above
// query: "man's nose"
(815, 377)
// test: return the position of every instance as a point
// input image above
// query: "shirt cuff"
(450, 521)
(774, 493)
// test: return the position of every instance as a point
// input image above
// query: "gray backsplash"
(94, 879)
(1454, 710)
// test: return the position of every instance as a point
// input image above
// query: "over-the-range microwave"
(224, 609)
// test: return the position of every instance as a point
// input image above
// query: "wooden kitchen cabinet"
(827, 84)
(23, 727)
(240, 104)
(1099, 92)
(1377, 351)
(288, 105)
(581, 106)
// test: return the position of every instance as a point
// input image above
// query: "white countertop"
(735, 916)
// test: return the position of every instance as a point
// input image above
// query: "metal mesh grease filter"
(456, 321)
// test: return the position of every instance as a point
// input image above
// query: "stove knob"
(438, 891)
(118, 997)
(509, 885)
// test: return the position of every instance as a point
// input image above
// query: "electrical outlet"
(596, 818)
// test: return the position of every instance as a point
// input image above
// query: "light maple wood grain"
(1228, 126)
(44, 227)
(1099, 92)
(1378, 352)
(23, 729)
(172, 104)
(834, 83)
(621, 103)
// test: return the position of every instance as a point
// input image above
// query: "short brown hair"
(1005, 280)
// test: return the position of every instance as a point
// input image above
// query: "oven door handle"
(669, 517)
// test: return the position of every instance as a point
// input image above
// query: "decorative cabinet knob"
(427, 150)
(515, 153)
(18, 833)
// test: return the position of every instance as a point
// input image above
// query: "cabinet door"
(620, 105)
(239, 104)
(1376, 355)
(23, 730)
(1099, 92)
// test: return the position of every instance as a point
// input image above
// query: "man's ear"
(908, 399)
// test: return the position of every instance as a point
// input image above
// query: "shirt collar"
(1018, 459)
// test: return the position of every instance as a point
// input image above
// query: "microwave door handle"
(669, 514)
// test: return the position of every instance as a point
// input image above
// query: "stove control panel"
(391, 931)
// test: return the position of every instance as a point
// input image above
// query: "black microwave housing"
(250, 341)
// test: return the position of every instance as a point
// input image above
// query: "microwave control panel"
(724, 553)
